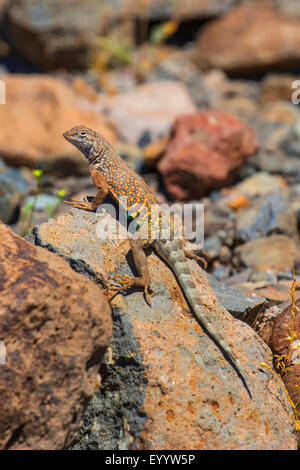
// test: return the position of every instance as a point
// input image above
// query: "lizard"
(112, 176)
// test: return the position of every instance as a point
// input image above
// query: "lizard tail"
(178, 263)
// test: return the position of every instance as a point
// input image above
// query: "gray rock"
(269, 215)
(43, 202)
(45, 206)
(285, 275)
(275, 253)
(193, 9)
(13, 187)
(290, 7)
(239, 278)
(241, 306)
(269, 277)
(213, 246)
(52, 33)
(279, 148)
(221, 272)
(180, 67)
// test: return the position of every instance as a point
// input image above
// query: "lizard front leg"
(103, 190)
(143, 280)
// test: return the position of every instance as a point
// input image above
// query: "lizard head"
(82, 137)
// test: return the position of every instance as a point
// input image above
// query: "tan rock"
(261, 184)
(55, 325)
(277, 88)
(283, 112)
(276, 253)
(264, 39)
(38, 110)
(148, 108)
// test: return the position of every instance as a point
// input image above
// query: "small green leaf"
(49, 210)
(27, 208)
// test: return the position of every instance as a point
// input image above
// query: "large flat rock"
(165, 384)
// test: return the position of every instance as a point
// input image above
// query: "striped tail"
(177, 261)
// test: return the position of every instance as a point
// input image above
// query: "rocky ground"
(203, 122)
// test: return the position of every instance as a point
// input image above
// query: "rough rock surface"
(266, 216)
(204, 153)
(244, 307)
(150, 108)
(55, 325)
(279, 344)
(47, 107)
(264, 39)
(276, 253)
(165, 384)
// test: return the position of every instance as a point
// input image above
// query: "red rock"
(204, 153)
(56, 325)
(38, 110)
(250, 38)
(279, 344)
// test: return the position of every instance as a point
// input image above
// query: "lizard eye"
(83, 134)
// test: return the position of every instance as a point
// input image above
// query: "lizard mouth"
(67, 136)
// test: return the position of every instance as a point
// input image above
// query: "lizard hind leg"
(200, 259)
(143, 280)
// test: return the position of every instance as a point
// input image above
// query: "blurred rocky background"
(198, 96)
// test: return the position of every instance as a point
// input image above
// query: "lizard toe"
(148, 295)
(79, 204)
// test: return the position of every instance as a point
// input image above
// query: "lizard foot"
(127, 281)
(201, 260)
(79, 204)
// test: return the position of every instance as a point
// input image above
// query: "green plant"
(282, 362)
(109, 49)
(160, 33)
(29, 209)
(53, 210)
